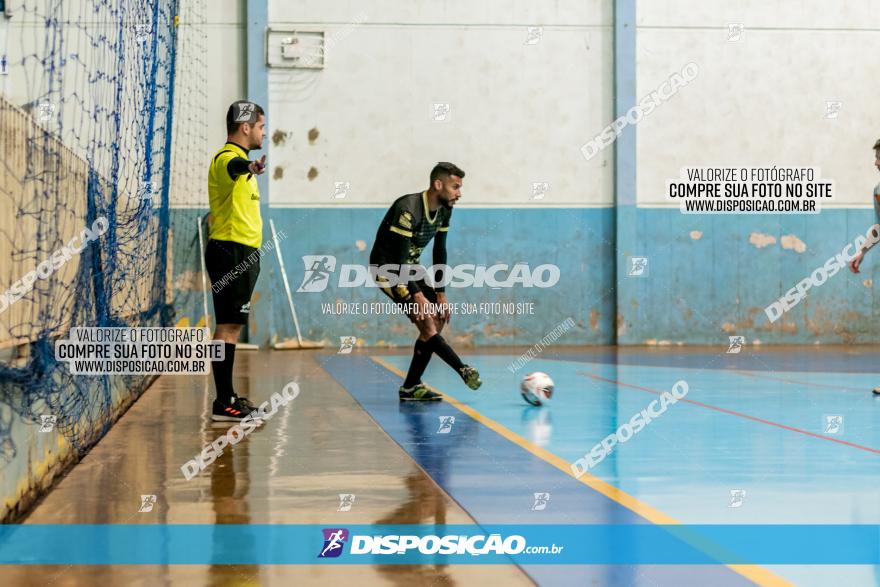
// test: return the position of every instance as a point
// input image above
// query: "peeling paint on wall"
(279, 137)
(782, 326)
(761, 240)
(491, 330)
(792, 242)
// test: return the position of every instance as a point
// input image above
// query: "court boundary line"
(755, 573)
(733, 413)
(756, 375)
(748, 372)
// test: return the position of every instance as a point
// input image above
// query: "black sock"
(421, 356)
(438, 345)
(223, 374)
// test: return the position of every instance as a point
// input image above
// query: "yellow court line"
(754, 573)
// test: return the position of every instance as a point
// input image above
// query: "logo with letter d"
(334, 540)
(318, 270)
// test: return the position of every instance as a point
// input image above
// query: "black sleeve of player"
(440, 259)
(237, 166)
(398, 246)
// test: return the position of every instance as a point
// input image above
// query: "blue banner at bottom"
(450, 544)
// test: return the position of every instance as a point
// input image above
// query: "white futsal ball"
(537, 388)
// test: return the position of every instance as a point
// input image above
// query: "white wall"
(519, 113)
(761, 101)
(212, 74)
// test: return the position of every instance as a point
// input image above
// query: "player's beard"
(445, 202)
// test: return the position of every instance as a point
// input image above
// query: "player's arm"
(239, 166)
(857, 259)
(399, 234)
(439, 258)
(411, 291)
(398, 246)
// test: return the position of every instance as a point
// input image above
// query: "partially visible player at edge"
(234, 237)
(856, 261)
(407, 228)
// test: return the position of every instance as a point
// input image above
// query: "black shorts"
(233, 269)
(404, 302)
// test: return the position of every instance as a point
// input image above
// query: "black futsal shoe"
(236, 411)
(418, 393)
(471, 377)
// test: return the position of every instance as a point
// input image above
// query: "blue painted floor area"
(757, 431)
(495, 480)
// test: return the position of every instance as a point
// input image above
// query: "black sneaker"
(471, 377)
(418, 393)
(877, 391)
(233, 412)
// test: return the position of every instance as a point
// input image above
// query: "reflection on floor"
(781, 436)
(292, 470)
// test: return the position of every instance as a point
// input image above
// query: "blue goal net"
(88, 129)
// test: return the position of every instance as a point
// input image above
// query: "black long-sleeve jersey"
(406, 230)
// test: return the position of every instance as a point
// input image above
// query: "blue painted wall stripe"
(258, 91)
(624, 99)
(625, 234)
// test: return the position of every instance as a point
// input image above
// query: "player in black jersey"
(407, 228)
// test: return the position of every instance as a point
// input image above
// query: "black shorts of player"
(399, 295)
(233, 269)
